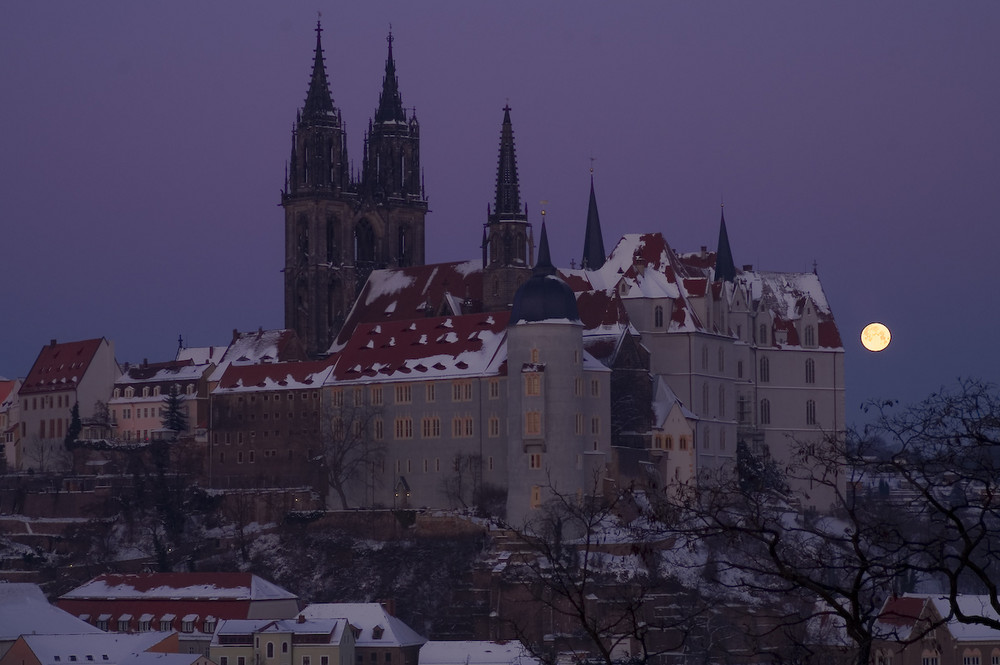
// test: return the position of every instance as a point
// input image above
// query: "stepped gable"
(59, 365)
(275, 376)
(399, 294)
(438, 347)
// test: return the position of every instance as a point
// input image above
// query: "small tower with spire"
(508, 245)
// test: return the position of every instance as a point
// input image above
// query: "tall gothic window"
(810, 336)
(404, 246)
(810, 412)
(765, 370)
(658, 316)
(765, 412)
(364, 241)
(810, 370)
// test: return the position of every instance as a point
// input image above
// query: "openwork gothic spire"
(508, 197)
(318, 99)
(390, 102)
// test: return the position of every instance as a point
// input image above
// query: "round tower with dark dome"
(558, 398)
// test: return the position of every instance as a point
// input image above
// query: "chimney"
(747, 267)
(301, 619)
(236, 334)
(53, 342)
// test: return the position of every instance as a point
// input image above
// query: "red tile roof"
(447, 346)
(60, 366)
(400, 294)
(902, 611)
(276, 376)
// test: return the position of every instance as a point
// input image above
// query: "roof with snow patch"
(24, 610)
(274, 376)
(60, 366)
(440, 347)
(241, 586)
(366, 617)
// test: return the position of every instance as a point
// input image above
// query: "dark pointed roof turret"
(545, 296)
(318, 99)
(593, 240)
(508, 195)
(390, 102)
(725, 268)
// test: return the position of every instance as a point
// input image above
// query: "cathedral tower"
(508, 246)
(337, 228)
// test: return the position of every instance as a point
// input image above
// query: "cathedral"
(504, 379)
(340, 226)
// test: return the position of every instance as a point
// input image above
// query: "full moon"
(875, 337)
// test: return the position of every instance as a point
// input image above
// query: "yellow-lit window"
(533, 423)
(532, 384)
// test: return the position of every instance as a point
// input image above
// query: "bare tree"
(351, 450)
(589, 577)
(945, 451)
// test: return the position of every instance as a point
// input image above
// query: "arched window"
(765, 412)
(658, 316)
(810, 336)
(765, 370)
(722, 401)
(404, 246)
(706, 436)
(810, 370)
(722, 359)
(704, 399)
(810, 412)
(762, 336)
(704, 357)
(739, 369)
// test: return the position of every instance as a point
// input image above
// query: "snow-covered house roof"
(192, 586)
(262, 346)
(164, 372)
(415, 349)
(377, 628)
(664, 400)
(274, 376)
(331, 630)
(469, 652)
(96, 647)
(198, 599)
(25, 610)
(901, 615)
(201, 355)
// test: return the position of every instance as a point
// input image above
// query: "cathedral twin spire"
(319, 101)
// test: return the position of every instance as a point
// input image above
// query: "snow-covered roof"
(261, 346)
(397, 294)
(25, 610)
(98, 647)
(469, 652)
(334, 628)
(274, 376)
(440, 347)
(971, 605)
(243, 586)
(366, 617)
(170, 371)
(201, 355)
(664, 399)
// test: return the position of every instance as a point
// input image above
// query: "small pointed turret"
(508, 195)
(318, 99)
(544, 265)
(725, 269)
(593, 240)
(390, 102)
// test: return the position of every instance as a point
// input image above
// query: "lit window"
(430, 427)
(429, 392)
(536, 496)
(534, 355)
(403, 393)
(532, 423)
(337, 396)
(494, 426)
(358, 396)
(532, 384)
(461, 391)
(494, 388)
(404, 428)
(377, 396)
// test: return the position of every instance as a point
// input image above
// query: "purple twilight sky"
(143, 150)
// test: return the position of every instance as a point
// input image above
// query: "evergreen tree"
(174, 418)
(75, 427)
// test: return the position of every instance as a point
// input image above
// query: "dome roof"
(545, 296)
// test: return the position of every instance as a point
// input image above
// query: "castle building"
(499, 381)
(339, 227)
